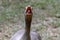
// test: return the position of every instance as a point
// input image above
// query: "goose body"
(27, 34)
(20, 34)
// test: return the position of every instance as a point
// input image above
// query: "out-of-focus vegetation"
(46, 15)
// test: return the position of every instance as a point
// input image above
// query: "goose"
(26, 34)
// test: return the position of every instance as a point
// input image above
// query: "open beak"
(28, 10)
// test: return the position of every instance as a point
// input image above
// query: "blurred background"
(46, 18)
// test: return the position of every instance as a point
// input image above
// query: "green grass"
(14, 7)
(13, 12)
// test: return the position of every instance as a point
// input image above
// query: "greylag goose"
(26, 34)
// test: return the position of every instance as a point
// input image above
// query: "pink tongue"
(28, 11)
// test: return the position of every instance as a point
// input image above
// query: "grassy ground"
(46, 18)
